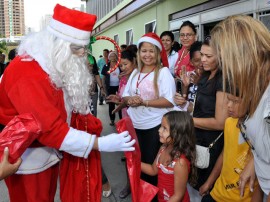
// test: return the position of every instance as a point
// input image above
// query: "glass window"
(150, 27)
(265, 18)
(129, 37)
(116, 38)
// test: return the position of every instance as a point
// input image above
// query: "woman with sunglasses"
(247, 68)
(210, 109)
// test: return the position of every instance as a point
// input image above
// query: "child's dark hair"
(133, 48)
(12, 54)
(124, 46)
(182, 134)
(176, 46)
(129, 55)
(196, 46)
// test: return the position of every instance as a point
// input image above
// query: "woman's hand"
(134, 101)
(7, 168)
(114, 99)
(103, 93)
(194, 78)
(184, 76)
(204, 189)
(247, 175)
(179, 99)
(117, 109)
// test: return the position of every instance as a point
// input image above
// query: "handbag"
(203, 154)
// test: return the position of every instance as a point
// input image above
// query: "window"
(264, 17)
(129, 37)
(116, 38)
(176, 36)
(150, 27)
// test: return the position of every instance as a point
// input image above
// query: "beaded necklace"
(182, 57)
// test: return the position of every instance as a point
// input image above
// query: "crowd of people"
(213, 93)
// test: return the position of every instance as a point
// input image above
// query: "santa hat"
(72, 25)
(155, 40)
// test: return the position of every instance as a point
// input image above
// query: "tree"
(3, 46)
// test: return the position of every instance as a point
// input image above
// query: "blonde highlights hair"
(158, 65)
(242, 45)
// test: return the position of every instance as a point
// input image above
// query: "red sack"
(141, 191)
(80, 179)
(18, 134)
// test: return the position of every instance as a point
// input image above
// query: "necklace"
(182, 57)
(139, 81)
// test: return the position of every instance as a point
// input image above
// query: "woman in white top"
(111, 81)
(167, 39)
(149, 95)
(244, 53)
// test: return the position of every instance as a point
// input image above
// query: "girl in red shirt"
(174, 163)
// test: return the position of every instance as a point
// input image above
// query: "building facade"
(12, 18)
(126, 21)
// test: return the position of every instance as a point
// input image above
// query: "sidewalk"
(112, 165)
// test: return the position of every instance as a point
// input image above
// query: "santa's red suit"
(26, 88)
(42, 81)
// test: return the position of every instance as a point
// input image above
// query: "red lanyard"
(139, 81)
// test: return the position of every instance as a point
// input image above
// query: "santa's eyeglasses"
(78, 50)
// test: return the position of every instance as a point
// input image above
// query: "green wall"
(159, 12)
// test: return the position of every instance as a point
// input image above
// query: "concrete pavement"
(112, 165)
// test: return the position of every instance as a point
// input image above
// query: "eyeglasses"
(243, 130)
(79, 50)
(188, 35)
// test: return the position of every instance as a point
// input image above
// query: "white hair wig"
(67, 71)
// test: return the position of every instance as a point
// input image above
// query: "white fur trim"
(78, 143)
(150, 40)
(69, 33)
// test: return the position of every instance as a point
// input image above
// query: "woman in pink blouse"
(188, 35)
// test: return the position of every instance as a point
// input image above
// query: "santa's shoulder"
(19, 66)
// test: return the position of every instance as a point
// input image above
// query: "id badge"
(137, 92)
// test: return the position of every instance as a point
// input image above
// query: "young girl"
(174, 163)
(128, 63)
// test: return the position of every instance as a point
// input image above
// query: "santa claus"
(49, 79)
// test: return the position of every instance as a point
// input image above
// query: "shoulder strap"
(212, 144)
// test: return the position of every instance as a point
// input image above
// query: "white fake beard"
(67, 71)
(72, 75)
